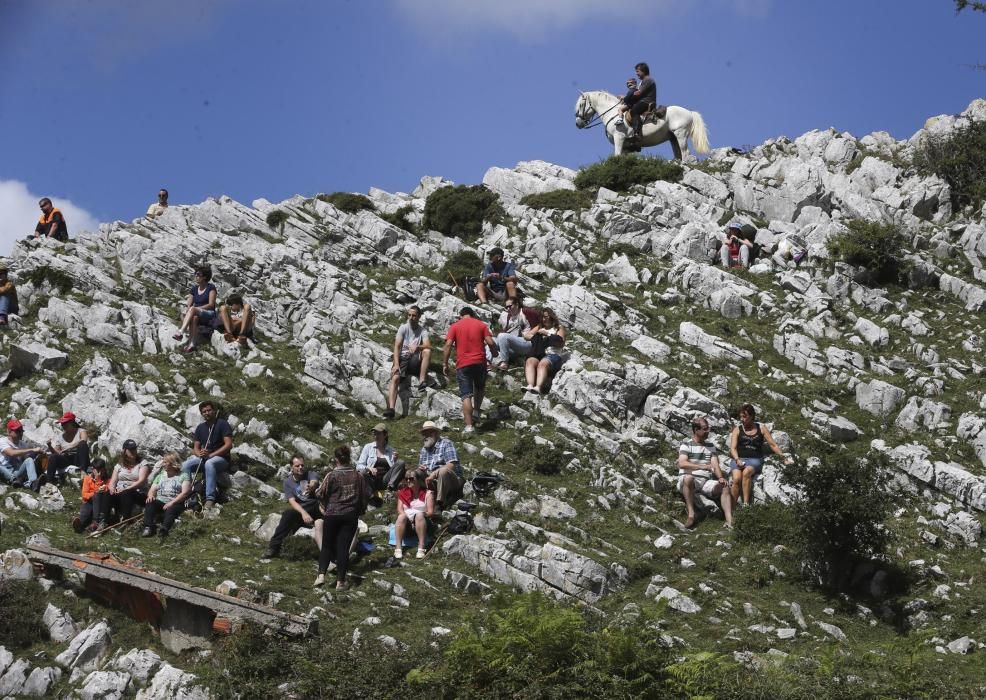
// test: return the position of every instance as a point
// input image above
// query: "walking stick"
(435, 543)
(456, 284)
(92, 535)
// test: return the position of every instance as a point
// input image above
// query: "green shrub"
(533, 648)
(462, 264)
(461, 210)
(55, 278)
(22, 623)
(540, 459)
(399, 218)
(770, 523)
(347, 201)
(306, 414)
(960, 160)
(871, 245)
(620, 173)
(840, 514)
(276, 219)
(559, 199)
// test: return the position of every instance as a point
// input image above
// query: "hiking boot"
(271, 553)
(468, 429)
(209, 505)
(101, 526)
(421, 554)
(34, 485)
(331, 567)
(422, 388)
(319, 581)
(342, 585)
(146, 532)
(388, 413)
(77, 524)
(398, 553)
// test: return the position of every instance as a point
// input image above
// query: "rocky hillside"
(658, 335)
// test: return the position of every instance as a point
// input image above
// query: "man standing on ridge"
(469, 334)
(160, 206)
(52, 223)
(645, 97)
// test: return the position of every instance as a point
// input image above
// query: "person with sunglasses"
(415, 505)
(699, 471)
(510, 341)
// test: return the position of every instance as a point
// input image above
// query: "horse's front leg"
(618, 139)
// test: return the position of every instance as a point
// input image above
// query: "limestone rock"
(139, 663)
(170, 682)
(15, 566)
(105, 685)
(878, 397)
(87, 648)
(61, 626)
(12, 682)
(39, 683)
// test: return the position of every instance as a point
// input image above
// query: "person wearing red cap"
(70, 448)
(17, 457)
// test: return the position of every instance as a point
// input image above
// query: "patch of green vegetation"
(539, 459)
(462, 264)
(348, 202)
(874, 246)
(22, 623)
(460, 211)
(399, 218)
(53, 277)
(624, 249)
(620, 173)
(276, 219)
(560, 199)
(959, 158)
(532, 648)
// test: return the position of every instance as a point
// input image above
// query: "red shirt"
(468, 334)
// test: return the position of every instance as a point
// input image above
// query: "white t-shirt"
(411, 339)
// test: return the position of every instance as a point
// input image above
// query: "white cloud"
(534, 19)
(19, 214)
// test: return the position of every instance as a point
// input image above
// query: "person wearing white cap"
(441, 462)
(17, 457)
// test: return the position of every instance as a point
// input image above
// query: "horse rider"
(639, 98)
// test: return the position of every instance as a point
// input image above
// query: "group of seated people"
(331, 506)
(235, 317)
(700, 470)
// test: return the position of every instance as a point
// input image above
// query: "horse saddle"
(655, 114)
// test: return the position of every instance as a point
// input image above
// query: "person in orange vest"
(52, 223)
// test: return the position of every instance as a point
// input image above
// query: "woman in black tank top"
(746, 443)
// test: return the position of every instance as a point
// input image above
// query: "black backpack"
(460, 524)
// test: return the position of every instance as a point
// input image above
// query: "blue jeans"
(512, 346)
(213, 467)
(25, 469)
(4, 304)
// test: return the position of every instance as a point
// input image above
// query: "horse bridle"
(597, 118)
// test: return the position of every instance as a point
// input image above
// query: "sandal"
(178, 336)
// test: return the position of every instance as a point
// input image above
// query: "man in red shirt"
(469, 334)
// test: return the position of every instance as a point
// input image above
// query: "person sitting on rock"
(52, 222)
(210, 452)
(375, 461)
(698, 471)
(160, 206)
(415, 505)
(345, 494)
(498, 278)
(510, 341)
(738, 247)
(128, 485)
(238, 319)
(69, 448)
(746, 442)
(95, 499)
(201, 307)
(8, 297)
(17, 457)
(166, 497)
(546, 353)
(412, 353)
(299, 490)
(440, 462)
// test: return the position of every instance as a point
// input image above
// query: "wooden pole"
(97, 533)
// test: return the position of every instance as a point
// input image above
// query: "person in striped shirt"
(699, 471)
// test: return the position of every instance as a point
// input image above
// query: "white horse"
(678, 126)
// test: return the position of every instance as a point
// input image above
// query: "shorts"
(410, 364)
(207, 314)
(471, 378)
(499, 292)
(556, 361)
(755, 462)
(706, 485)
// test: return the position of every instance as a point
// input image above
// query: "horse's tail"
(700, 137)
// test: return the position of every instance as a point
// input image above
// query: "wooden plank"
(286, 623)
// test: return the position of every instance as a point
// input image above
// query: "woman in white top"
(128, 485)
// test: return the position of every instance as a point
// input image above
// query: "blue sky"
(104, 101)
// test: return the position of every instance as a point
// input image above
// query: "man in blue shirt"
(499, 278)
(299, 490)
(213, 442)
(440, 462)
